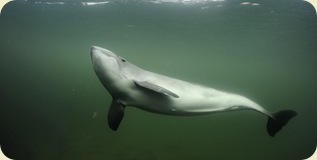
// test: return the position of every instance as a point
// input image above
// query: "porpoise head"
(105, 60)
(107, 65)
(111, 69)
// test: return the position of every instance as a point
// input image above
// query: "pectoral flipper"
(115, 114)
(156, 88)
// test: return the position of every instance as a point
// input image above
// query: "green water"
(52, 105)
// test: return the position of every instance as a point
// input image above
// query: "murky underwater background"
(52, 105)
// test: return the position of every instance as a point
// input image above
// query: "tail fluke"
(280, 119)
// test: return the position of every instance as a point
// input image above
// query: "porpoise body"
(130, 85)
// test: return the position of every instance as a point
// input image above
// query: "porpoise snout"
(95, 49)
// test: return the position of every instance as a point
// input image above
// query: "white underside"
(193, 99)
(118, 78)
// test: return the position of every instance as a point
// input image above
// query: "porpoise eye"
(123, 60)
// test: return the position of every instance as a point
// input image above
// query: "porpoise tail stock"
(130, 85)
